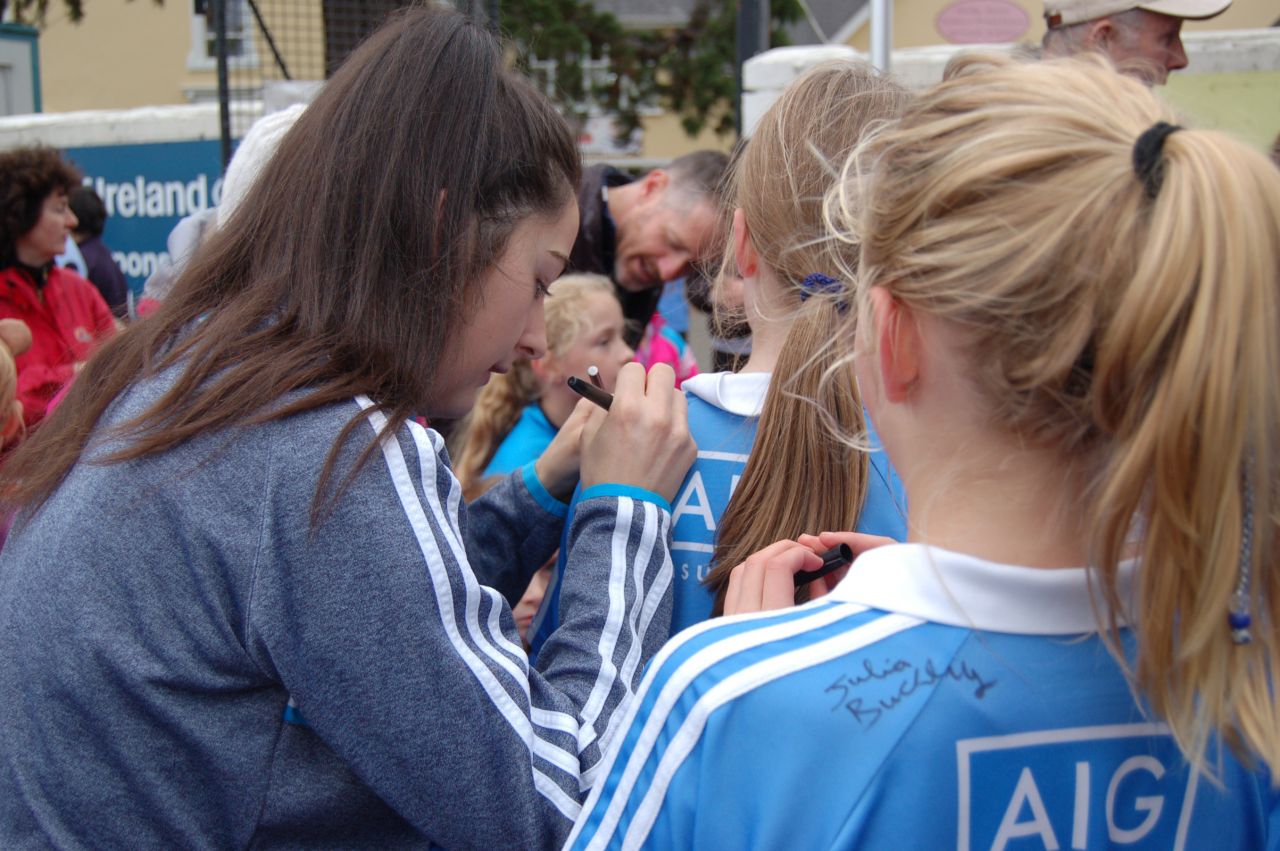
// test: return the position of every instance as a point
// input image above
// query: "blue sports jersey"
(724, 439)
(526, 442)
(932, 700)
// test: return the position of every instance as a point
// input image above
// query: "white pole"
(881, 33)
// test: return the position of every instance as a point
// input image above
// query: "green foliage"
(688, 71)
(33, 12)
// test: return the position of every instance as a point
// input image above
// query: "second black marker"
(603, 398)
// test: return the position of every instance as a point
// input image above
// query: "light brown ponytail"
(803, 475)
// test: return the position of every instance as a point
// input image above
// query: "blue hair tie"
(820, 284)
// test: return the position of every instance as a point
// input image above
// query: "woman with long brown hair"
(242, 605)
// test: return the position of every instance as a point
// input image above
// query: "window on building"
(204, 46)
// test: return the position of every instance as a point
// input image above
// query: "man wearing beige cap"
(1143, 39)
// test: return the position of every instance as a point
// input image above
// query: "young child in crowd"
(518, 413)
(662, 343)
(767, 443)
(1068, 334)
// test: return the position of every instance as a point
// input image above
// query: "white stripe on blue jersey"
(678, 663)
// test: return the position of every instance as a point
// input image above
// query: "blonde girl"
(1069, 342)
(518, 413)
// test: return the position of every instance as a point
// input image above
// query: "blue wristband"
(627, 490)
(540, 494)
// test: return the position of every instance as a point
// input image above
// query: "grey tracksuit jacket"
(186, 661)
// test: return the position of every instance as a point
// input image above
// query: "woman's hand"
(643, 441)
(557, 468)
(766, 580)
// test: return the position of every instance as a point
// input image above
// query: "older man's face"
(662, 239)
(1149, 50)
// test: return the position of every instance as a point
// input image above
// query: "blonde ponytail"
(1128, 324)
(1186, 377)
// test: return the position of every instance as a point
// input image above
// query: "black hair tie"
(1146, 155)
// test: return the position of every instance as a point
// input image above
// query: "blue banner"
(147, 188)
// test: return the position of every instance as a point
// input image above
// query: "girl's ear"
(898, 344)
(744, 250)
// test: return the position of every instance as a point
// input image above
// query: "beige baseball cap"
(1061, 13)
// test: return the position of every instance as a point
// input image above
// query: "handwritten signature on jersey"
(902, 679)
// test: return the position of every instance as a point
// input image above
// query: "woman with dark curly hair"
(65, 313)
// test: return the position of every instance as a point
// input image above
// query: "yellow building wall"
(129, 54)
(914, 21)
(664, 138)
(1244, 103)
(121, 55)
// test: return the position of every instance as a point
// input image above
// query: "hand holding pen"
(643, 441)
(768, 579)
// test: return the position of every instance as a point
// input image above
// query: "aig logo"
(1080, 788)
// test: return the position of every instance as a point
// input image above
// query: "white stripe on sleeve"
(823, 613)
(612, 625)
(430, 548)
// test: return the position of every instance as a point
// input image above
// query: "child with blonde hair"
(518, 413)
(1068, 336)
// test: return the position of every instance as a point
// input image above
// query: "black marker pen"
(601, 397)
(832, 560)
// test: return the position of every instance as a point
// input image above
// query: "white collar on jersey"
(960, 590)
(740, 393)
